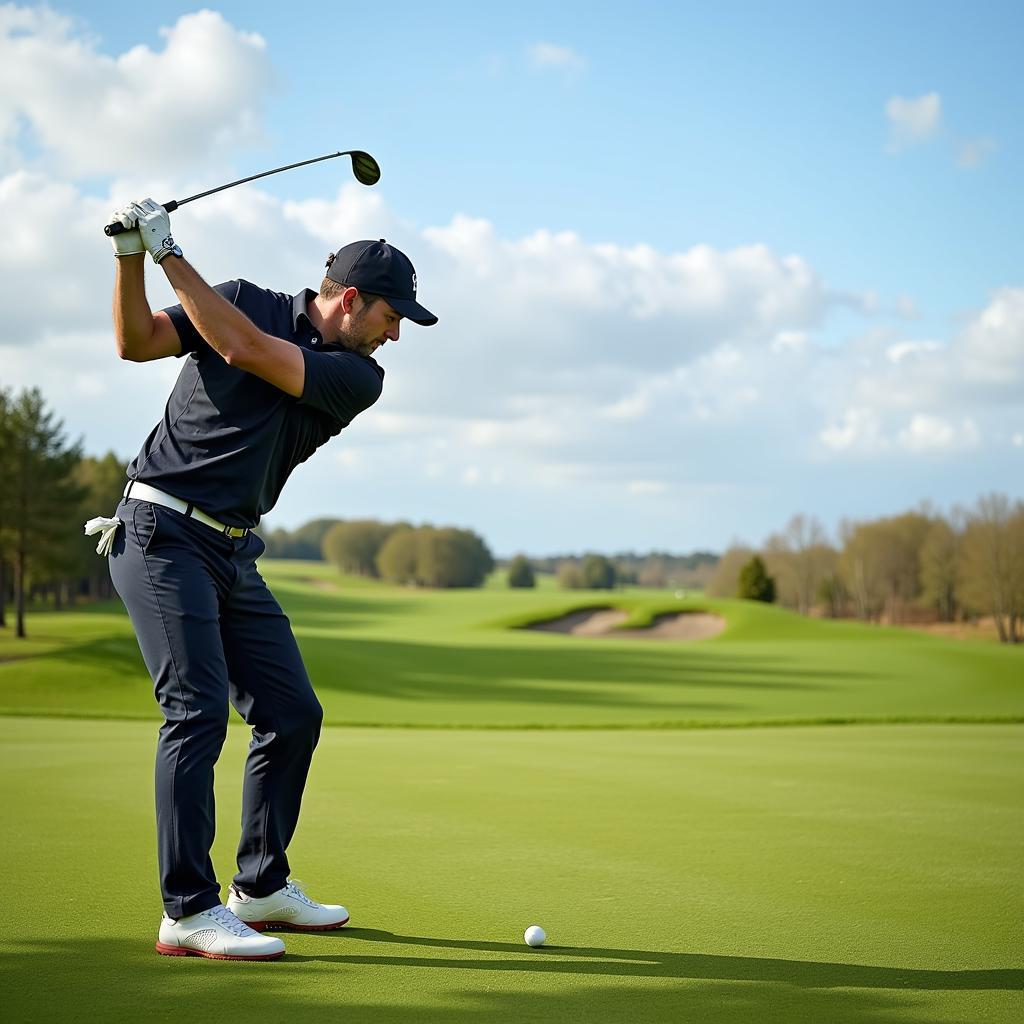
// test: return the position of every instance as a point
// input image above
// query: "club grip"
(117, 227)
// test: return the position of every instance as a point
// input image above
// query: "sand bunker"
(603, 622)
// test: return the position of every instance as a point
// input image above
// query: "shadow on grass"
(574, 675)
(690, 966)
(653, 680)
(302, 603)
(120, 980)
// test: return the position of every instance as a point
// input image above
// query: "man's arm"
(139, 334)
(231, 333)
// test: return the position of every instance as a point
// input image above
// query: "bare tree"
(652, 572)
(899, 540)
(940, 558)
(726, 577)
(860, 569)
(992, 563)
(800, 558)
(569, 576)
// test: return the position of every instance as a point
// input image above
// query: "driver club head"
(365, 168)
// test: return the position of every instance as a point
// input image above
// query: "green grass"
(817, 874)
(685, 865)
(383, 656)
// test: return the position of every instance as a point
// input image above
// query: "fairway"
(385, 656)
(838, 874)
(685, 863)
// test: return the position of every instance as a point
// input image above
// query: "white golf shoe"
(289, 907)
(217, 934)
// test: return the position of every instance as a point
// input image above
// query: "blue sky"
(836, 193)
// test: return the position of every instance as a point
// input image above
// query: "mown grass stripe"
(667, 725)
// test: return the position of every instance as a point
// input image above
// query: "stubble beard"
(355, 338)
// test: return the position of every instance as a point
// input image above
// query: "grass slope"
(385, 656)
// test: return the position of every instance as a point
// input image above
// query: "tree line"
(355, 545)
(651, 569)
(915, 567)
(48, 489)
(426, 556)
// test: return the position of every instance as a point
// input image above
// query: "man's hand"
(155, 229)
(127, 243)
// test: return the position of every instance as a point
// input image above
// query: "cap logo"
(414, 282)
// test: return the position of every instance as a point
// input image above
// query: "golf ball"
(534, 935)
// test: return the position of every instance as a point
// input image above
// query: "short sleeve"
(340, 384)
(191, 340)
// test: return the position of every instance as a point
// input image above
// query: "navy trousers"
(211, 633)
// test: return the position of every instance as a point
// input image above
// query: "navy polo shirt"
(228, 440)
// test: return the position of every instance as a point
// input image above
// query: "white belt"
(144, 492)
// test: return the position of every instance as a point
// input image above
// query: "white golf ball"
(534, 935)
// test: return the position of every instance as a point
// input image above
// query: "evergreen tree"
(44, 498)
(598, 573)
(520, 573)
(755, 583)
(6, 496)
(102, 481)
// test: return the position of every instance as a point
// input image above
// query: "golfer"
(266, 379)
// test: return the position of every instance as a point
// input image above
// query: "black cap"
(380, 269)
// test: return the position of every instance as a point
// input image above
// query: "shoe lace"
(294, 888)
(228, 921)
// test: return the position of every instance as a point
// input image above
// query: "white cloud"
(1017, 440)
(973, 153)
(927, 433)
(545, 56)
(859, 431)
(145, 111)
(555, 358)
(903, 350)
(912, 121)
(789, 341)
(993, 343)
(646, 488)
(632, 407)
(906, 308)
(903, 395)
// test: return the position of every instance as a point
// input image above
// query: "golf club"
(364, 167)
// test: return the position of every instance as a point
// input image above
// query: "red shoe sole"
(260, 926)
(165, 950)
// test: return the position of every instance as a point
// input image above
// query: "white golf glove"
(129, 242)
(155, 228)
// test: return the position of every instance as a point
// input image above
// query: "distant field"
(383, 656)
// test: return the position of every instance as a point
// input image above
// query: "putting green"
(820, 874)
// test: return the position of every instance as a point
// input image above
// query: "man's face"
(367, 327)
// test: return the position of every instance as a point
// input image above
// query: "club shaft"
(262, 174)
(116, 228)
